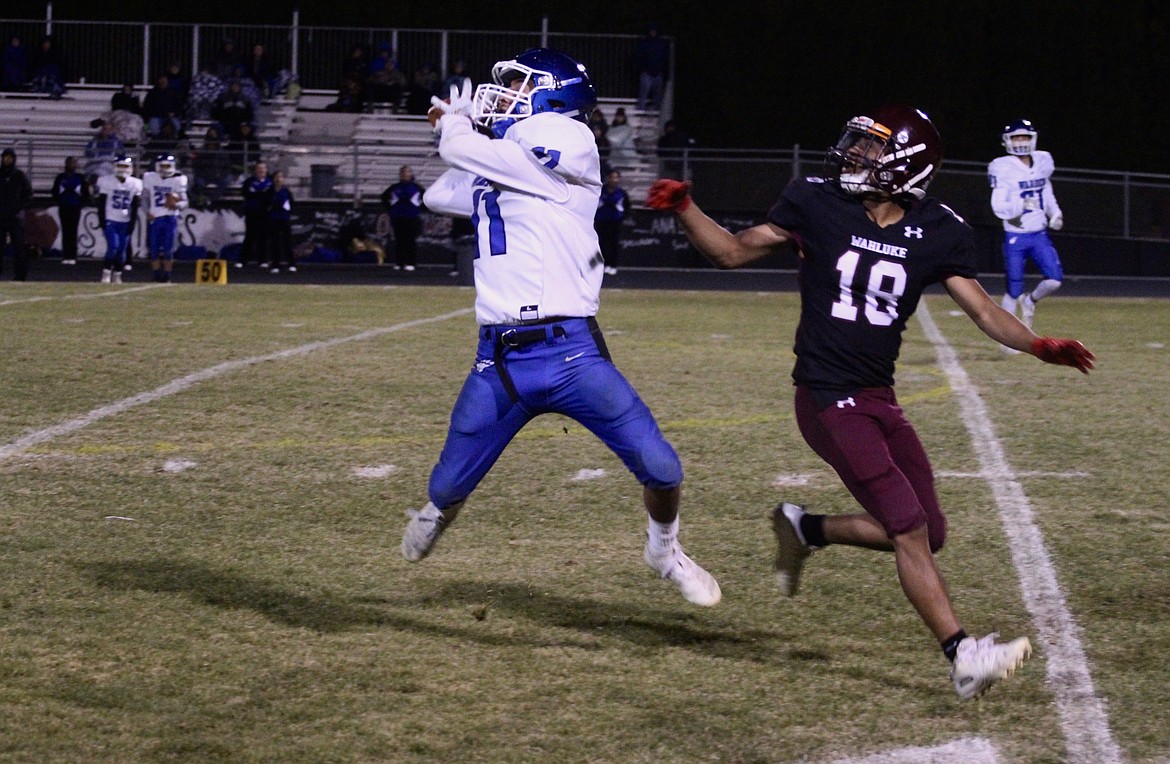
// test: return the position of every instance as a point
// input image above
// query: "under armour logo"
(846, 402)
(913, 232)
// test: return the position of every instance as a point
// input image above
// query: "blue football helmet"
(1019, 138)
(536, 81)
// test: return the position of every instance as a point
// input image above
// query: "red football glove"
(672, 195)
(1063, 352)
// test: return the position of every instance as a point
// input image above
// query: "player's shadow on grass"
(575, 622)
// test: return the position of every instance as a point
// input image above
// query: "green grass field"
(210, 572)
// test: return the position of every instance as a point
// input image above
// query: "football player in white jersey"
(1022, 197)
(165, 190)
(524, 167)
(118, 196)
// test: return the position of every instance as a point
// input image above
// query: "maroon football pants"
(867, 439)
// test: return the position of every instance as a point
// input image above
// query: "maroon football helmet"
(893, 151)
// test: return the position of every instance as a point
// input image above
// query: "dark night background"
(1093, 76)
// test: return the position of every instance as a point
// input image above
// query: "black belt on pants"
(511, 337)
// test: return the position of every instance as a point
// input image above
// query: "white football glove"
(458, 103)
(1056, 222)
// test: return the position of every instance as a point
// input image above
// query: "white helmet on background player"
(123, 167)
(1019, 138)
(164, 165)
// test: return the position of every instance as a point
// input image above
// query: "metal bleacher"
(325, 155)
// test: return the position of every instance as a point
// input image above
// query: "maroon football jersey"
(860, 283)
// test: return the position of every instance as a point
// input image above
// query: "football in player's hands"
(171, 201)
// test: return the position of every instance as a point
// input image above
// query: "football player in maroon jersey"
(870, 241)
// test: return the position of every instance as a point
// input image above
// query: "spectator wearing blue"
(48, 72)
(652, 57)
(71, 193)
(103, 150)
(612, 207)
(257, 192)
(15, 76)
(280, 213)
(403, 200)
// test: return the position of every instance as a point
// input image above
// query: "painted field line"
(95, 296)
(1083, 720)
(984, 475)
(37, 437)
(969, 750)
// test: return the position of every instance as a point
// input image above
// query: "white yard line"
(1082, 713)
(94, 296)
(969, 750)
(27, 441)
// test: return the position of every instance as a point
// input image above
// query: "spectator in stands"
(357, 65)
(15, 193)
(652, 58)
(224, 64)
(623, 150)
(212, 166)
(260, 70)
(245, 147)
(672, 150)
(71, 193)
(168, 141)
(350, 97)
(48, 71)
(403, 200)
(280, 214)
(257, 192)
(385, 83)
(126, 100)
(422, 87)
(206, 89)
(598, 118)
(162, 104)
(15, 76)
(612, 207)
(454, 80)
(178, 82)
(233, 109)
(102, 150)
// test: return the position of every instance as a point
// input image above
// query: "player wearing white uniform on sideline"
(118, 196)
(165, 190)
(1022, 197)
(531, 191)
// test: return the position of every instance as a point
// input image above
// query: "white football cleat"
(106, 273)
(980, 663)
(116, 277)
(697, 585)
(424, 529)
(1027, 310)
(791, 550)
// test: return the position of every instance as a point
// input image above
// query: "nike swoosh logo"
(571, 357)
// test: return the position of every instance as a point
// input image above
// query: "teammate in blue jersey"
(1022, 197)
(404, 201)
(118, 198)
(870, 241)
(71, 193)
(531, 193)
(165, 191)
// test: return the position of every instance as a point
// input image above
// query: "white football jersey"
(155, 189)
(1021, 196)
(531, 196)
(119, 194)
